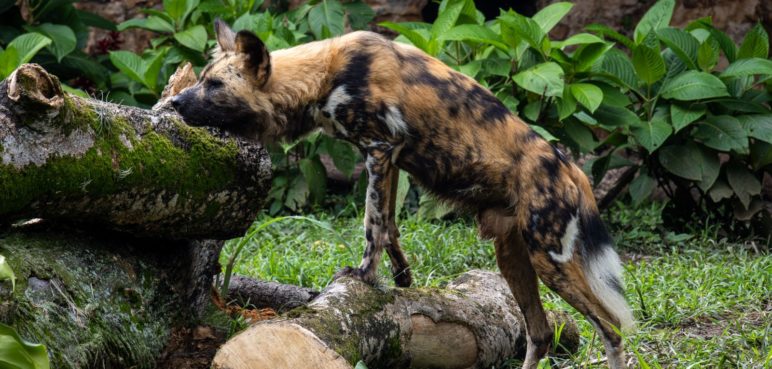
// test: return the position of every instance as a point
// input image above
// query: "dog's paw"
(354, 273)
(403, 278)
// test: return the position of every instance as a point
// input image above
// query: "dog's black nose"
(176, 102)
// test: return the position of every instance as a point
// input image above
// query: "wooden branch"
(472, 323)
(128, 169)
(263, 294)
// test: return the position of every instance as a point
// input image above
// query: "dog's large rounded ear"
(258, 60)
(226, 38)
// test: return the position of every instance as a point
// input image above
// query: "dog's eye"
(213, 84)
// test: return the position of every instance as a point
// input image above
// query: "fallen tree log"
(139, 171)
(472, 323)
(264, 294)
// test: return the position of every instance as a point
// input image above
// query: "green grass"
(700, 301)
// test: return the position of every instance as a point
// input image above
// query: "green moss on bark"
(200, 165)
(92, 307)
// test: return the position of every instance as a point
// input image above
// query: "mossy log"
(472, 323)
(140, 171)
(105, 300)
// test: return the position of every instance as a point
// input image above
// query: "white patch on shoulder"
(337, 97)
(567, 241)
(394, 121)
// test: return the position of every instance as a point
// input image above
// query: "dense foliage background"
(684, 110)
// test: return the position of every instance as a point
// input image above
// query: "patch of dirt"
(191, 348)
(710, 327)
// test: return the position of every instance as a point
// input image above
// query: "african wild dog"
(407, 110)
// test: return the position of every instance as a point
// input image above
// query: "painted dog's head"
(232, 90)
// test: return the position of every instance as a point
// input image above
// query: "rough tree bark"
(472, 323)
(139, 171)
(99, 299)
(110, 278)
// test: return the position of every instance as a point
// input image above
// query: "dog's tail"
(602, 267)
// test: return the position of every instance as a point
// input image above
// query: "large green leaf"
(28, 44)
(544, 79)
(755, 44)
(129, 63)
(723, 133)
(525, 28)
(587, 55)
(658, 16)
(648, 64)
(615, 116)
(327, 14)
(579, 39)
(403, 186)
(748, 67)
(641, 187)
(743, 182)
(550, 15)
(15, 353)
(617, 65)
(153, 23)
(180, 9)
(316, 177)
(412, 35)
(652, 134)
(474, 32)
(683, 44)
(359, 14)
(609, 32)
(6, 273)
(588, 95)
(63, 38)
(758, 126)
(707, 54)
(447, 18)
(682, 116)
(580, 135)
(9, 61)
(681, 160)
(343, 155)
(194, 37)
(710, 166)
(693, 85)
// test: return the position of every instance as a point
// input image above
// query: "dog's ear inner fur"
(258, 60)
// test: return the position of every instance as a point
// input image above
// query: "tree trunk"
(104, 300)
(472, 323)
(139, 171)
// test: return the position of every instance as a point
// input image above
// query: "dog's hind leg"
(515, 265)
(572, 254)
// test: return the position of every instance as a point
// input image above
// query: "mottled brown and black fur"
(406, 110)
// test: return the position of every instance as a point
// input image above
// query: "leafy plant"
(6, 273)
(19, 354)
(702, 135)
(16, 353)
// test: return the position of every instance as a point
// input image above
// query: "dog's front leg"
(379, 217)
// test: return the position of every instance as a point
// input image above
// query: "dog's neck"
(300, 77)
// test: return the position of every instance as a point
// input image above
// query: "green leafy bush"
(702, 134)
